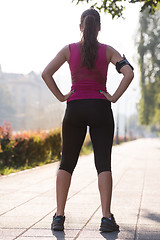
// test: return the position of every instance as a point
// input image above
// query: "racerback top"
(87, 83)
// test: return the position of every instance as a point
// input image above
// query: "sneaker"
(58, 223)
(109, 224)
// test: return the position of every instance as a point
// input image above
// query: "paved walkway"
(27, 199)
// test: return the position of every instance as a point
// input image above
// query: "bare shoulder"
(65, 52)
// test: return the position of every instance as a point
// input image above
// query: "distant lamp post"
(125, 130)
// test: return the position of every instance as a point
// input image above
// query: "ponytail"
(90, 20)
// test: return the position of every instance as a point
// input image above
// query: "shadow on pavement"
(110, 235)
(153, 216)
(59, 234)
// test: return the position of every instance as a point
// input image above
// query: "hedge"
(28, 148)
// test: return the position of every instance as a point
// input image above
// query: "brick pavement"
(27, 199)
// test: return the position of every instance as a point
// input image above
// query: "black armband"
(122, 63)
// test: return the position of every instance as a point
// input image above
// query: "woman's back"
(87, 83)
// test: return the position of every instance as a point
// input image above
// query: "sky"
(33, 31)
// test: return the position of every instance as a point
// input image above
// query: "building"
(33, 105)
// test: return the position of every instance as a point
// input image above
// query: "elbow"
(131, 75)
(43, 75)
(128, 74)
(46, 75)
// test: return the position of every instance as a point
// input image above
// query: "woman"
(88, 104)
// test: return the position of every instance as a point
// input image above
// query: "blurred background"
(32, 32)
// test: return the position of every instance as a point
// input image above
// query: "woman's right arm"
(113, 56)
(51, 68)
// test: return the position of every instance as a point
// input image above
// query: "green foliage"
(7, 170)
(149, 62)
(28, 150)
(19, 153)
(35, 151)
(116, 7)
(6, 144)
(157, 109)
(53, 144)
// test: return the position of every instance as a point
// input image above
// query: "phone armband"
(122, 63)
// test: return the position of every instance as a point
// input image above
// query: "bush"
(6, 145)
(28, 149)
(19, 152)
(35, 151)
(54, 144)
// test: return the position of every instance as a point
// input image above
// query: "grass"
(7, 170)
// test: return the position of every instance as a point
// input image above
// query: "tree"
(149, 62)
(116, 7)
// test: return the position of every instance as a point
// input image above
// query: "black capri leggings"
(97, 114)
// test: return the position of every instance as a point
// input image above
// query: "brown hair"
(90, 22)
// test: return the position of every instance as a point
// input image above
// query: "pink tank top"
(87, 83)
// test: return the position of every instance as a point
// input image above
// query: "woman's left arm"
(51, 68)
(113, 56)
